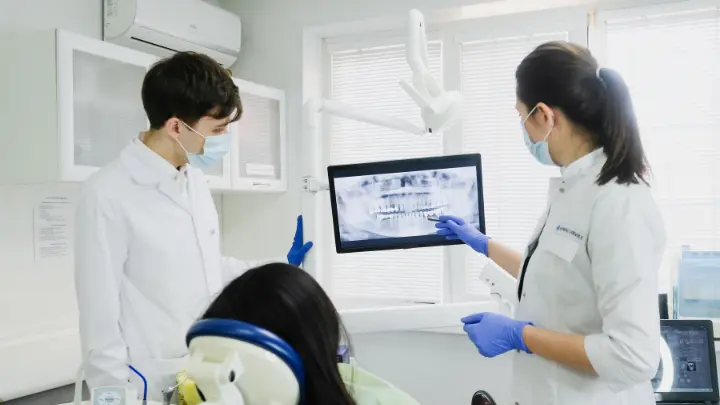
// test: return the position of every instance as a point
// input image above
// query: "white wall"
(79, 16)
(436, 369)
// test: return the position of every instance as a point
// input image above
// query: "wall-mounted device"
(165, 27)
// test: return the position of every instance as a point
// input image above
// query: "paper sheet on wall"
(52, 228)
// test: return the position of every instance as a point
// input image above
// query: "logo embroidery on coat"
(570, 232)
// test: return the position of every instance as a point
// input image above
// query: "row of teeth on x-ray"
(408, 205)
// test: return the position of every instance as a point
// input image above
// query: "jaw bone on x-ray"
(397, 205)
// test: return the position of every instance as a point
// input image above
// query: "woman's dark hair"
(566, 76)
(288, 302)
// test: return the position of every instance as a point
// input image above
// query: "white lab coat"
(148, 263)
(594, 273)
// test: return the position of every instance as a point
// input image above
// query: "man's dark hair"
(189, 86)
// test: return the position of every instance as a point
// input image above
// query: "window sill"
(435, 318)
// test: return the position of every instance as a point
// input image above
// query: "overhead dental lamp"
(236, 363)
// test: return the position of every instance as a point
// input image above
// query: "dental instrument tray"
(395, 204)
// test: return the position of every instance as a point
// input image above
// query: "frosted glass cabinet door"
(100, 106)
(260, 139)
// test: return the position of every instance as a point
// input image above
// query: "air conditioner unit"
(164, 27)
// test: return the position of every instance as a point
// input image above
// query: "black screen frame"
(403, 165)
(713, 396)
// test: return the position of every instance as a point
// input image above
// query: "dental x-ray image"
(395, 205)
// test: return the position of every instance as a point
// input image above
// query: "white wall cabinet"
(72, 104)
(258, 159)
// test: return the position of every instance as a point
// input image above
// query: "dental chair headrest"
(260, 352)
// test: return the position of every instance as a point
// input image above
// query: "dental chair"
(236, 363)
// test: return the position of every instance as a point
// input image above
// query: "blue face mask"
(539, 150)
(214, 149)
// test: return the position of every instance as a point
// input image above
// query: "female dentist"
(586, 329)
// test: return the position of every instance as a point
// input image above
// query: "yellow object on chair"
(188, 393)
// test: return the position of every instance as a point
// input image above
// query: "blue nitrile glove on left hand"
(298, 250)
(452, 227)
(494, 334)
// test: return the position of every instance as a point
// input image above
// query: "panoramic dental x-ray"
(396, 205)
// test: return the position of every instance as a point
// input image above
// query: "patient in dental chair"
(288, 302)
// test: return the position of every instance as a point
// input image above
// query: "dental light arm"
(417, 57)
(502, 286)
(439, 109)
(341, 110)
(314, 108)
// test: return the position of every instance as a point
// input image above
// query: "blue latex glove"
(495, 334)
(452, 227)
(298, 250)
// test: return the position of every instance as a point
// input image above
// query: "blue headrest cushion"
(230, 328)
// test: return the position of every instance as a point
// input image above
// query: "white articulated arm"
(438, 108)
(341, 110)
(425, 86)
(313, 108)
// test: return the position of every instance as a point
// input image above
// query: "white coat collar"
(150, 169)
(585, 165)
(146, 166)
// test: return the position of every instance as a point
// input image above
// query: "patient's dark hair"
(288, 302)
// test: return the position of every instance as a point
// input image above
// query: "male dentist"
(148, 257)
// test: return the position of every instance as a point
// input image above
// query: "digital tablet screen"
(386, 205)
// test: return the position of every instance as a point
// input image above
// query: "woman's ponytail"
(620, 137)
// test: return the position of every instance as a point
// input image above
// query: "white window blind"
(515, 186)
(367, 79)
(675, 85)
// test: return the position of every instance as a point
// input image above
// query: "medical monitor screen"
(395, 204)
(687, 364)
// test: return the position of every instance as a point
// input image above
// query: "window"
(367, 78)
(676, 92)
(515, 185)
